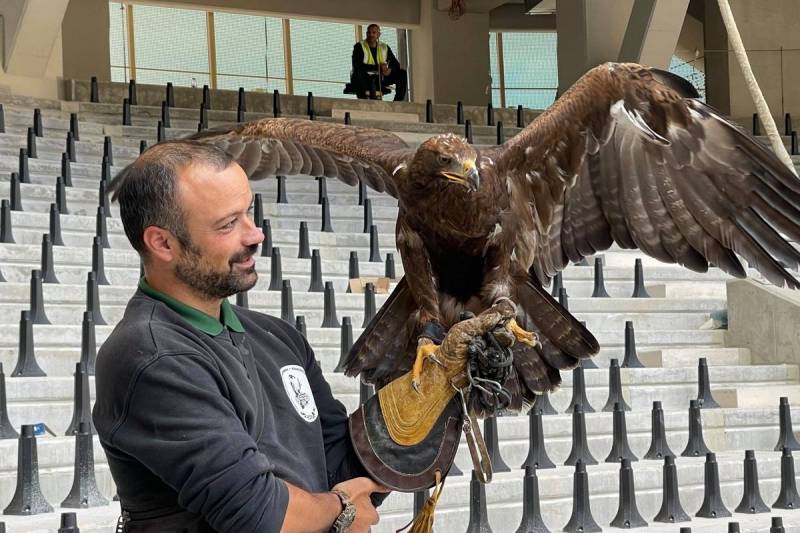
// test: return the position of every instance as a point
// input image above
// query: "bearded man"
(214, 417)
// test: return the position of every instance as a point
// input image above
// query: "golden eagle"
(622, 157)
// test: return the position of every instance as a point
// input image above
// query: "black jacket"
(202, 431)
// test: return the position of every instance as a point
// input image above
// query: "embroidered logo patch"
(299, 391)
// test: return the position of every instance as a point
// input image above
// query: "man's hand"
(359, 489)
(385, 70)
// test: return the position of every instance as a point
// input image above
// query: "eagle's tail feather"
(383, 350)
(560, 327)
(563, 342)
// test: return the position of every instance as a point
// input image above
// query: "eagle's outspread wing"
(623, 158)
(288, 146)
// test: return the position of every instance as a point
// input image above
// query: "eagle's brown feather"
(707, 193)
(289, 146)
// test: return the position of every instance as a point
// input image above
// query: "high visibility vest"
(383, 52)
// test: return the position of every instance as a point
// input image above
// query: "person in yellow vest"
(375, 67)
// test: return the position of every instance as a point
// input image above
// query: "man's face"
(373, 34)
(219, 259)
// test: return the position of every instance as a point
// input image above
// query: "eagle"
(624, 156)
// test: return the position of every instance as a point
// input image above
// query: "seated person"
(372, 61)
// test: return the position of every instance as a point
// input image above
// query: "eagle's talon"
(425, 350)
(522, 335)
(436, 360)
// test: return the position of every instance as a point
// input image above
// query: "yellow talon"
(522, 335)
(424, 351)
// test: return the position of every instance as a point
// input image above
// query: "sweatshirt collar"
(200, 320)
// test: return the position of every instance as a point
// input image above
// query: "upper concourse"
(477, 57)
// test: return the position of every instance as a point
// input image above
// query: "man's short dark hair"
(373, 25)
(147, 189)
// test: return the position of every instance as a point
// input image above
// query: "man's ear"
(161, 244)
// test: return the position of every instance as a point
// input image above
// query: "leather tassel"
(423, 522)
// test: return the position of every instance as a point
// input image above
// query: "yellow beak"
(469, 177)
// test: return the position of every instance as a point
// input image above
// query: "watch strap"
(347, 516)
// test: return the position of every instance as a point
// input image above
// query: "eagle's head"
(446, 160)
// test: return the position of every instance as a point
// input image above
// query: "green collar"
(195, 317)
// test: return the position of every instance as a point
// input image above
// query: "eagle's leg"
(426, 349)
(501, 275)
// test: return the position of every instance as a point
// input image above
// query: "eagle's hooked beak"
(472, 176)
(469, 176)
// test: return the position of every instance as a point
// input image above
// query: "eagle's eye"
(443, 160)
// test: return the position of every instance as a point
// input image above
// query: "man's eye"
(229, 225)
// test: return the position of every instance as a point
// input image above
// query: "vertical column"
(501, 71)
(287, 56)
(83, 58)
(450, 58)
(131, 41)
(212, 49)
(590, 32)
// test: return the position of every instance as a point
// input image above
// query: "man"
(214, 417)
(375, 67)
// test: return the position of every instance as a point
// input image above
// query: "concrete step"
(56, 129)
(55, 143)
(748, 394)
(73, 226)
(29, 102)
(282, 213)
(332, 246)
(61, 335)
(45, 170)
(593, 308)
(303, 194)
(129, 276)
(81, 236)
(335, 271)
(188, 118)
(677, 357)
(310, 305)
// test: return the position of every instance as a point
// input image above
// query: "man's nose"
(254, 234)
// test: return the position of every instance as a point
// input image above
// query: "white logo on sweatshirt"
(299, 391)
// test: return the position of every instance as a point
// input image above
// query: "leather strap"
(433, 331)
(481, 461)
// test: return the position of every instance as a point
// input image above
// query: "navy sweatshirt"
(214, 425)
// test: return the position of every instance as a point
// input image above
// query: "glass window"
(321, 57)
(493, 70)
(171, 45)
(530, 67)
(118, 41)
(249, 52)
(690, 71)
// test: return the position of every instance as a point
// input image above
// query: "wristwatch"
(347, 516)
